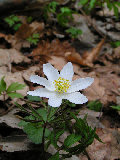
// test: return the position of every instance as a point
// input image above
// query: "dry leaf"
(7, 56)
(88, 57)
(95, 91)
(14, 143)
(10, 119)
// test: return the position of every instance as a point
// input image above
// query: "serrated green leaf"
(2, 85)
(71, 139)
(34, 98)
(54, 136)
(55, 156)
(97, 137)
(51, 114)
(15, 86)
(15, 95)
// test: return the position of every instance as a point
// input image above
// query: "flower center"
(61, 85)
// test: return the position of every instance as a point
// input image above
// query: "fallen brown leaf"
(88, 57)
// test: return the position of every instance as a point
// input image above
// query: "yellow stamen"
(61, 85)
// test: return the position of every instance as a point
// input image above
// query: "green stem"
(66, 121)
(43, 142)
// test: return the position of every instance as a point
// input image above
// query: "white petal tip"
(30, 93)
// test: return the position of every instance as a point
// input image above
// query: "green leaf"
(95, 105)
(35, 132)
(36, 35)
(15, 95)
(116, 11)
(116, 107)
(43, 113)
(17, 26)
(15, 86)
(55, 156)
(15, 18)
(54, 136)
(9, 21)
(23, 123)
(52, 6)
(109, 5)
(74, 32)
(83, 2)
(92, 3)
(34, 98)
(115, 44)
(29, 19)
(2, 85)
(71, 139)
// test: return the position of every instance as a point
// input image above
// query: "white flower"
(60, 85)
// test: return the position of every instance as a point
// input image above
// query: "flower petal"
(41, 92)
(51, 73)
(76, 98)
(55, 101)
(80, 84)
(41, 81)
(67, 71)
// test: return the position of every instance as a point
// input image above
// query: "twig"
(5, 112)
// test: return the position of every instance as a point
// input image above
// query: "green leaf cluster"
(13, 21)
(95, 105)
(59, 120)
(80, 137)
(64, 16)
(111, 4)
(90, 2)
(34, 39)
(11, 89)
(35, 130)
(82, 133)
(33, 125)
(74, 32)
